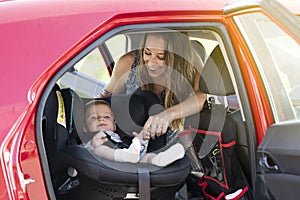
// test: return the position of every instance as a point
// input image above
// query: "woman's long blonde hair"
(180, 72)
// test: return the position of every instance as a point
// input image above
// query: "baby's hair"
(94, 103)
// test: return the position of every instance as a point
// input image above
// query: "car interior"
(75, 173)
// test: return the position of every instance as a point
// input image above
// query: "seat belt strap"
(144, 184)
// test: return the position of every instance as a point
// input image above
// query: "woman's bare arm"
(120, 74)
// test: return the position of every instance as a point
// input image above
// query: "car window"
(91, 73)
(88, 76)
(117, 46)
(93, 64)
(277, 58)
(208, 45)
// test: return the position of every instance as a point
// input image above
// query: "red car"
(54, 53)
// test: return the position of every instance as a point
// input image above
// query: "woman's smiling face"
(154, 55)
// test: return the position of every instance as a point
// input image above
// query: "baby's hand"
(143, 135)
(99, 139)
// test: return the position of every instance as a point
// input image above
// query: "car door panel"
(278, 172)
(277, 186)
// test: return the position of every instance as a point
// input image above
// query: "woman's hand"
(158, 124)
(99, 139)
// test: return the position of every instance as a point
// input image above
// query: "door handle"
(264, 162)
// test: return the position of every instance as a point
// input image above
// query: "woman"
(167, 65)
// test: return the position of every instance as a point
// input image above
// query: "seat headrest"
(215, 78)
(129, 112)
(132, 111)
(199, 48)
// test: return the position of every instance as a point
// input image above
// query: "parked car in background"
(54, 52)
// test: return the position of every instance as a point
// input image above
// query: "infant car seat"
(90, 177)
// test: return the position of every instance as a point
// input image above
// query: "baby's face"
(99, 118)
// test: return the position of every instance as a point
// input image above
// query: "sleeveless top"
(132, 83)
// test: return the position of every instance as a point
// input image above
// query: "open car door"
(278, 171)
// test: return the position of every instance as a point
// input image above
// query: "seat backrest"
(215, 80)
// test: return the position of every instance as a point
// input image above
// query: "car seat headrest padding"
(215, 78)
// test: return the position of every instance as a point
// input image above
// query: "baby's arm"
(103, 151)
(132, 154)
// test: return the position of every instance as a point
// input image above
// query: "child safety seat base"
(98, 178)
(105, 179)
